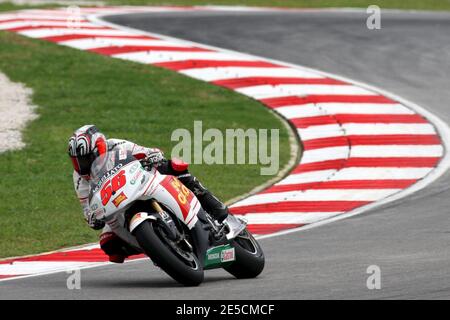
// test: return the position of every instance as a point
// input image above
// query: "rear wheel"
(250, 259)
(176, 259)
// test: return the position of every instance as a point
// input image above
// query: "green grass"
(39, 210)
(7, 6)
(400, 4)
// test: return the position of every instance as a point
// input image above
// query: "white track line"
(357, 174)
(170, 56)
(310, 110)
(318, 132)
(43, 33)
(13, 25)
(324, 154)
(212, 74)
(288, 217)
(393, 151)
(268, 91)
(93, 43)
(319, 195)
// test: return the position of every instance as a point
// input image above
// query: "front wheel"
(250, 259)
(179, 263)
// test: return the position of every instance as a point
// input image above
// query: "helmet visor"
(82, 164)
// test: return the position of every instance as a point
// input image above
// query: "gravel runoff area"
(15, 111)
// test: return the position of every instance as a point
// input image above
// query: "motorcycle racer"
(87, 143)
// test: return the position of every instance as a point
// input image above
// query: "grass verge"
(7, 6)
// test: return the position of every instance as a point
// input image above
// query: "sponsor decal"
(213, 256)
(122, 154)
(106, 176)
(134, 168)
(136, 177)
(112, 186)
(218, 256)
(164, 215)
(179, 192)
(119, 199)
(227, 255)
(137, 217)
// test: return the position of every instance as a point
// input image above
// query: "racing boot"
(209, 202)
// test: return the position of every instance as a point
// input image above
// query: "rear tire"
(250, 259)
(162, 253)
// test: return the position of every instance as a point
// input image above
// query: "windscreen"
(108, 164)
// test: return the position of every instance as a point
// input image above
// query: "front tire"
(188, 271)
(250, 259)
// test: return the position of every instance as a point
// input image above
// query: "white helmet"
(85, 145)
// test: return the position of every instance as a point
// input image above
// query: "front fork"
(167, 222)
(199, 233)
(205, 235)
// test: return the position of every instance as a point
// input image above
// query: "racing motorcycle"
(159, 216)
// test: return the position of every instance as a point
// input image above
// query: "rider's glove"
(154, 158)
(94, 223)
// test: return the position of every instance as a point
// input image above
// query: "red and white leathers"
(81, 183)
(112, 245)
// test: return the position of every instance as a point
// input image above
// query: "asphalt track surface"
(409, 239)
